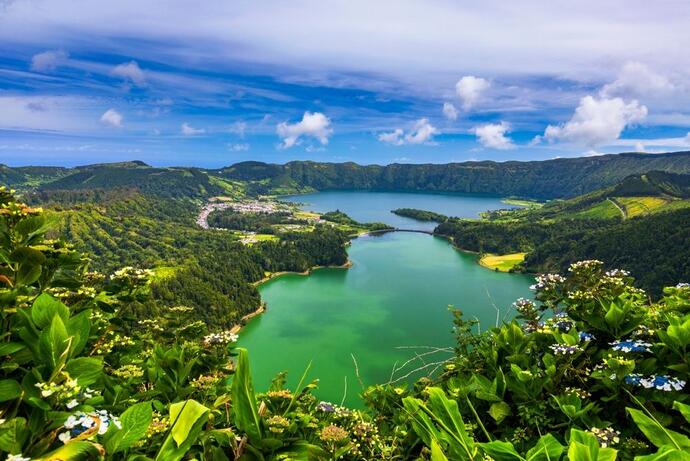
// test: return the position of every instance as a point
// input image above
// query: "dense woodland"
(420, 215)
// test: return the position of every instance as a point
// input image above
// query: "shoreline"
(237, 327)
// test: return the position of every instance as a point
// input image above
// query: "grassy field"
(602, 210)
(502, 263)
(635, 206)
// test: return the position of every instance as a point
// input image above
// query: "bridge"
(395, 229)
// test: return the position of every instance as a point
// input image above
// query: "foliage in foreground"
(591, 370)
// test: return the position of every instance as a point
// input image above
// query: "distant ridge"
(546, 179)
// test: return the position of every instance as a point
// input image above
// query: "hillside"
(558, 178)
(639, 224)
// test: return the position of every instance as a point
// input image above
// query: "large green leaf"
(436, 452)
(13, 434)
(135, 421)
(86, 370)
(656, 433)
(547, 448)
(584, 446)
(684, 410)
(9, 389)
(44, 308)
(243, 398)
(499, 411)
(188, 419)
(79, 327)
(73, 451)
(666, 453)
(501, 451)
(54, 344)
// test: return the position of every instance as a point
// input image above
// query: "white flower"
(18, 457)
(72, 403)
(64, 437)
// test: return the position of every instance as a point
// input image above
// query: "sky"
(221, 81)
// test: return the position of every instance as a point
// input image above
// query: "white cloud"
(421, 133)
(493, 135)
(238, 128)
(394, 137)
(597, 121)
(130, 71)
(238, 147)
(315, 125)
(48, 61)
(113, 118)
(187, 130)
(469, 89)
(636, 79)
(450, 111)
(639, 147)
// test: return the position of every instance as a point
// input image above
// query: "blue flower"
(628, 345)
(586, 337)
(661, 383)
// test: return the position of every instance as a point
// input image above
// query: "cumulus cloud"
(187, 130)
(469, 89)
(450, 111)
(422, 132)
(597, 121)
(395, 137)
(131, 72)
(637, 79)
(493, 135)
(48, 61)
(113, 118)
(313, 124)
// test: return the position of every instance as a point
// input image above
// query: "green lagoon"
(392, 303)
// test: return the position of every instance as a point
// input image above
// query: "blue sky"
(372, 82)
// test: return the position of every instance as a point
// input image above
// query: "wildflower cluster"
(606, 437)
(564, 349)
(110, 340)
(85, 425)
(580, 393)
(151, 325)
(547, 282)
(224, 337)
(130, 273)
(129, 371)
(277, 424)
(68, 392)
(659, 382)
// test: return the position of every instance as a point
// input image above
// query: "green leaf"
(185, 414)
(666, 453)
(135, 421)
(656, 433)
(436, 452)
(13, 434)
(243, 398)
(501, 451)
(9, 390)
(79, 327)
(547, 448)
(53, 343)
(684, 410)
(584, 446)
(10, 348)
(499, 411)
(188, 419)
(44, 308)
(73, 451)
(86, 370)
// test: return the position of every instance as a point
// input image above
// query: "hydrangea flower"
(606, 437)
(661, 383)
(682, 285)
(628, 345)
(547, 281)
(585, 337)
(96, 422)
(224, 337)
(326, 407)
(564, 349)
(18, 457)
(617, 273)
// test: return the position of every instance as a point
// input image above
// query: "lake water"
(392, 303)
(376, 206)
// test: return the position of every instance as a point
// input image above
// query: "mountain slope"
(558, 178)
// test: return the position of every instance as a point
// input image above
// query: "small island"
(420, 215)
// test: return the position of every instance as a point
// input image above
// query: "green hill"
(558, 178)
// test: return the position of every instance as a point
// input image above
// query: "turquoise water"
(392, 303)
(377, 206)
